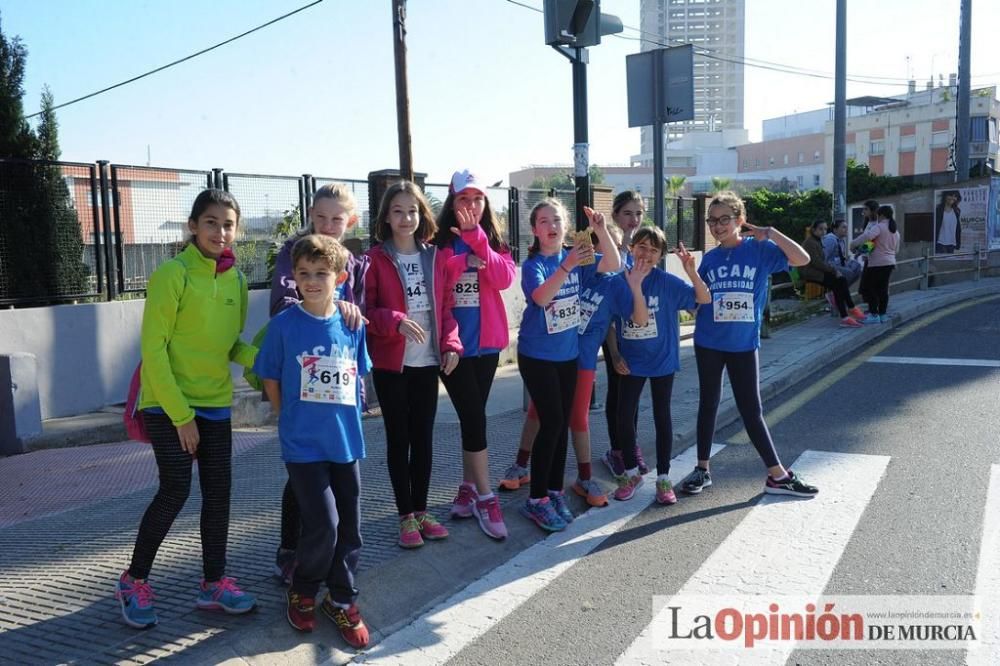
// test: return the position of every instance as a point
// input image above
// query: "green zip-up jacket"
(191, 329)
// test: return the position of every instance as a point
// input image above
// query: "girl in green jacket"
(196, 305)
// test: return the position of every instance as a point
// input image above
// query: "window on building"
(802, 158)
(786, 158)
(979, 128)
(770, 161)
(815, 180)
(801, 181)
(756, 163)
(876, 148)
(816, 155)
(850, 150)
(940, 139)
(908, 142)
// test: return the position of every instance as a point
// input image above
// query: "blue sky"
(315, 93)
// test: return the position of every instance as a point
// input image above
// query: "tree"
(789, 212)
(16, 139)
(863, 184)
(674, 185)
(719, 184)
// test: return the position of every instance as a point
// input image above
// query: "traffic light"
(577, 23)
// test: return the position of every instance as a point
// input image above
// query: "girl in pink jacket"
(479, 267)
(412, 335)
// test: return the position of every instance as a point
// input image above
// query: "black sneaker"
(793, 485)
(696, 481)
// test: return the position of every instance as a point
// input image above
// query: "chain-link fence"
(679, 220)
(50, 249)
(150, 209)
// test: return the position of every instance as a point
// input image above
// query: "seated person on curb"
(821, 272)
(837, 255)
(311, 364)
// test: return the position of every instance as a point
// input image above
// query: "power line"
(184, 59)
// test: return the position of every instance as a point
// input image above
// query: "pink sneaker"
(851, 322)
(430, 528)
(464, 501)
(409, 532)
(627, 486)
(490, 518)
(665, 492)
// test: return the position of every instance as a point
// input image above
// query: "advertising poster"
(960, 219)
(993, 214)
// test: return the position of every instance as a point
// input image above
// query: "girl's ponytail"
(886, 212)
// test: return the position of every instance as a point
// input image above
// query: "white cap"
(463, 180)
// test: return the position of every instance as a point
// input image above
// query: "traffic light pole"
(581, 145)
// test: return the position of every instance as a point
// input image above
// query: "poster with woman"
(960, 219)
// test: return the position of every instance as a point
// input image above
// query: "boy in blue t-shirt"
(311, 365)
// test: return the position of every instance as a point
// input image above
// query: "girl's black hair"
(213, 196)
(446, 221)
(886, 212)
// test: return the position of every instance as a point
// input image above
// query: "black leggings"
(841, 292)
(551, 385)
(331, 530)
(214, 458)
(875, 288)
(409, 404)
(612, 398)
(628, 410)
(744, 377)
(469, 387)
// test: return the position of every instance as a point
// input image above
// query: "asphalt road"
(903, 437)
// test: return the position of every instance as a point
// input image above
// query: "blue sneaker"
(224, 595)
(543, 514)
(558, 500)
(885, 319)
(872, 319)
(136, 599)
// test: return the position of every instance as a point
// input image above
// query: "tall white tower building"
(716, 26)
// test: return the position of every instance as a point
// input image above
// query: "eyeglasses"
(720, 221)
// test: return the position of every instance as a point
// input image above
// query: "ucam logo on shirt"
(734, 276)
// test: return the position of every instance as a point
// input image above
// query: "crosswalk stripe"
(988, 579)
(919, 360)
(783, 546)
(446, 629)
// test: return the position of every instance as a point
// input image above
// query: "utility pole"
(581, 145)
(840, 117)
(964, 90)
(402, 94)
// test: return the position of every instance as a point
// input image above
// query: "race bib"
(562, 314)
(586, 313)
(417, 298)
(733, 306)
(632, 331)
(329, 380)
(467, 290)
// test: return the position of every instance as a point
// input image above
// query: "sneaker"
(558, 500)
(665, 492)
(224, 595)
(284, 565)
(464, 501)
(793, 485)
(409, 532)
(515, 477)
(856, 313)
(543, 514)
(696, 481)
(885, 319)
(301, 612)
(613, 461)
(430, 528)
(136, 599)
(640, 462)
(490, 518)
(850, 322)
(591, 491)
(349, 623)
(872, 319)
(627, 486)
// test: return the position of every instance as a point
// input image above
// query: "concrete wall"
(86, 353)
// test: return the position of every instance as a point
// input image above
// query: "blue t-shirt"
(737, 279)
(607, 296)
(319, 363)
(653, 350)
(561, 315)
(467, 315)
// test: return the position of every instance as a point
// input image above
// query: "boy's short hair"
(320, 249)
(652, 235)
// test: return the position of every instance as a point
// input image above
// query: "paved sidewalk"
(68, 519)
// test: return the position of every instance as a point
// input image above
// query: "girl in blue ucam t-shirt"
(548, 345)
(727, 334)
(652, 350)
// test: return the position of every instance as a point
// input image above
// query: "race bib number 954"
(733, 306)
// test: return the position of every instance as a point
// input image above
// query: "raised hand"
(639, 271)
(466, 221)
(759, 233)
(687, 259)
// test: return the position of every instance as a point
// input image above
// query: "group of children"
(426, 303)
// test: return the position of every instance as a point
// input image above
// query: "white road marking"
(445, 630)
(919, 360)
(988, 579)
(784, 546)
